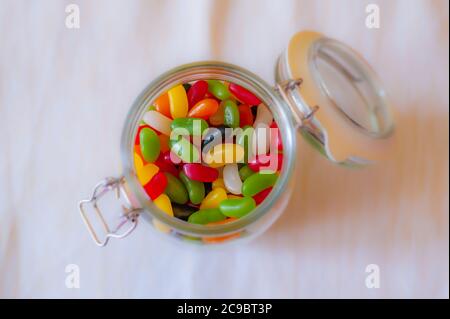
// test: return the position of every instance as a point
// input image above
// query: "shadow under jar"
(324, 89)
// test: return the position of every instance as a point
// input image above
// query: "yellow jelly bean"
(163, 203)
(224, 154)
(178, 102)
(146, 172)
(137, 161)
(218, 183)
(214, 198)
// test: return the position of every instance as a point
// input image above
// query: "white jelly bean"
(158, 121)
(231, 179)
(263, 115)
(261, 140)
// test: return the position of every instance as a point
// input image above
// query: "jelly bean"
(243, 95)
(196, 190)
(218, 117)
(232, 179)
(230, 114)
(218, 89)
(218, 183)
(194, 126)
(164, 142)
(184, 149)
(146, 172)
(263, 115)
(163, 203)
(156, 186)
(175, 190)
(258, 182)
(245, 115)
(158, 122)
(205, 216)
(237, 207)
(272, 162)
(245, 140)
(197, 92)
(162, 105)
(214, 198)
(183, 211)
(137, 160)
(201, 173)
(151, 108)
(223, 154)
(245, 172)
(231, 196)
(261, 142)
(204, 109)
(165, 164)
(137, 151)
(261, 196)
(150, 145)
(140, 128)
(178, 102)
(275, 136)
(215, 136)
(216, 240)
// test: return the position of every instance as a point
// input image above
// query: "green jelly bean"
(186, 86)
(245, 172)
(194, 126)
(245, 139)
(150, 145)
(258, 182)
(206, 216)
(230, 114)
(175, 190)
(185, 150)
(151, 108)
(196, 190)
(237, 207)
(218, 89)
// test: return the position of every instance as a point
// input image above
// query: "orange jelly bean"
(204, 109)
(162, 105)
(214, 240)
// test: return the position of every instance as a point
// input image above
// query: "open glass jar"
(324, 90)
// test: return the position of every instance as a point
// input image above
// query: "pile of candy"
(208, 152)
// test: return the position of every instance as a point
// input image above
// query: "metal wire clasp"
(128, 215)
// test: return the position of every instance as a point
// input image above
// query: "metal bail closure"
(128, 214)
(336, 99)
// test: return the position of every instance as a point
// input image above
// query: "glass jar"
(324, 90)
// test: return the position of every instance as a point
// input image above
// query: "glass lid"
(336, 99)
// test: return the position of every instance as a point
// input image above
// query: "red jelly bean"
(277, 137)
(261, 196)
(165, 164)
(197, 92)
(245, 115)
(264, 162)
(201, 173)
(243, 95)
(156, 186)
(136, 139)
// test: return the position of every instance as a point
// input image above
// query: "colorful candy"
(237, 207)
(196, 190)
(178, 102)
(258, 182)
(202, 153)
(158, 121)
(197, 92)
(176, 190)
(243, 95)
(232, 179)
(150, 144)
(201, 173)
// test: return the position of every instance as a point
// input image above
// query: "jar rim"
(208, 70)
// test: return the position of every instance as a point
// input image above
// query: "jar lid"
(336, 99)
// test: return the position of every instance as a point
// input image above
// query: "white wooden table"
(64, 94)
